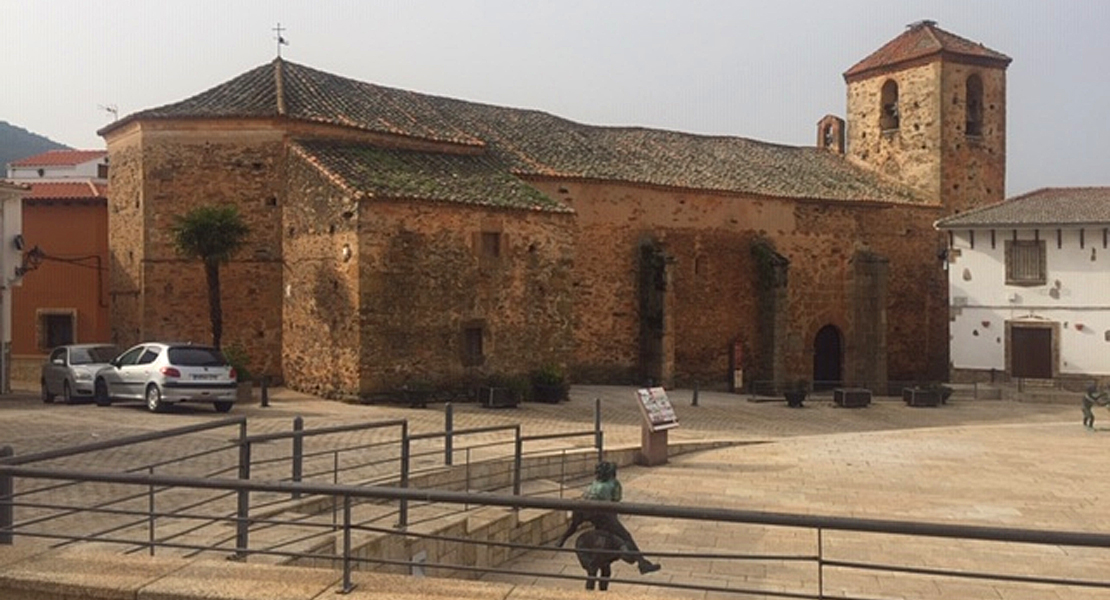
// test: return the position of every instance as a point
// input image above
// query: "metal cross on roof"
(280, 40)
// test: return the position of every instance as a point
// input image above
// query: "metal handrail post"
(518, 459)
(347, 585)
(406, 456)
(820, 566)
(597, 429)
(242, 513)
(448, 433)
(298, 451)
(150, 511)
(7, 510)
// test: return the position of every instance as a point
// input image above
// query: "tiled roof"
(1044, 207)
(434, 176)
(529, 142)
(920, 40)
(56, 158)
(68, 190)
(6, 185)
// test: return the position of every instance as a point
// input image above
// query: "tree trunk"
(215, 311)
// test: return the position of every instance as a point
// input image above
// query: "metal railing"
(823, 577)
(171, 502)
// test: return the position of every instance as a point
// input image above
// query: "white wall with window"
(1051, 283)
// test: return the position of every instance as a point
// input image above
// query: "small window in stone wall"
(1025, 262)
(889, 115)
(473, 351)
(56, 328)
(491, 244)
(974, 108)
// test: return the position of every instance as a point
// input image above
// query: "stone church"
(399, 237)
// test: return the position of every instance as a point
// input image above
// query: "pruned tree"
(213, 234)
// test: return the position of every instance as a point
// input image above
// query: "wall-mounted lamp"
(986, 323)
(346, 252)
(1079, 327)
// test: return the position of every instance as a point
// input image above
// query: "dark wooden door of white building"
(1031, 352)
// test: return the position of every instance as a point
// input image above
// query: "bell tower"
(929, 109)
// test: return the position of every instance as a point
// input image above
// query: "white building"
(61, 165)
(11, 268)
(1029, 287)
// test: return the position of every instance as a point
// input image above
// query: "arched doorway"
(827, 354)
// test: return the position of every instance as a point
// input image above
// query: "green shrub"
(549, 374)
(238, 358)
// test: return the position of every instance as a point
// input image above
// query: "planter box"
(794, 399)
(852, 397)
(494, 397)
(244, 392)
(549, 393)
(417, 398)
(919, 397)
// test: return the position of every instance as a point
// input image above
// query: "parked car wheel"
(47, 397)
(100, 393)
(67, 393)
(222, 407)
(154, 399)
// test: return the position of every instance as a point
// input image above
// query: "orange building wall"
(74, 236)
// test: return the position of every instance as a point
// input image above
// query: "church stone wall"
(975, 172)
(320, 335)
(912, 152)
(396, 312)
(917, 306)
(425, 280)
(126, 232)
(713, 278)
(182, 169)
(930, 150)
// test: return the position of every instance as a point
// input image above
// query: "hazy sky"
(764, 70)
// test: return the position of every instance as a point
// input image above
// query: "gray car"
(164, 373)
(69, 371)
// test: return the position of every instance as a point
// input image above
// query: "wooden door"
(1031, 352)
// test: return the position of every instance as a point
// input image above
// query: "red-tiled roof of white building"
(59, 158)
(68, 190)
(1071, 206)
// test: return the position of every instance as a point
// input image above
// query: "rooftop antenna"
(111, 109)
(280, 40)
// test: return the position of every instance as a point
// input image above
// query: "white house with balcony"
(1029, 287)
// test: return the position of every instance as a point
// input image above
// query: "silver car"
(69, 370)
(167, 373)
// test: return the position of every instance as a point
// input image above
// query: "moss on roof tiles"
(440, 177)
(530, 142)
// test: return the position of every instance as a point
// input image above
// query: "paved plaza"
(980, 462)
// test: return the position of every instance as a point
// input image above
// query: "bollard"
(298, 451)
(694, 402)
(265, 391)
(448, 434)
(242, 511)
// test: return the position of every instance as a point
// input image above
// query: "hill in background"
(17, 143)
